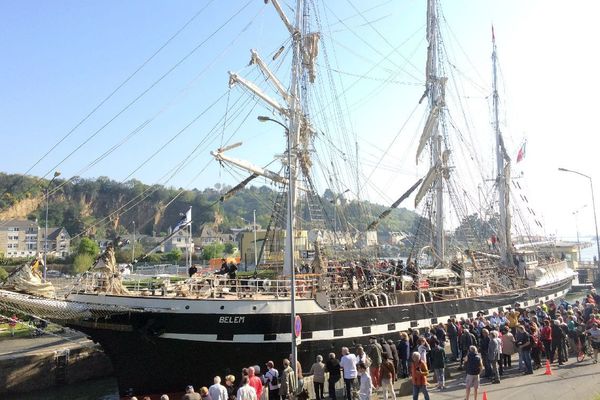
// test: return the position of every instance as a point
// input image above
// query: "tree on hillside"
(88, 246)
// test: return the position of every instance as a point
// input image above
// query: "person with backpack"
(473, 365)
(272, 381)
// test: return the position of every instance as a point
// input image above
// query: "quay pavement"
(572, 381)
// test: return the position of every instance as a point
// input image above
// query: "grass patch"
(24, 330)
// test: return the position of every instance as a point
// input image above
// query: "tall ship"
(168, 335)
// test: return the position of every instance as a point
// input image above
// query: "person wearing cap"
(217, 391)
(190, 394)
(272, 381)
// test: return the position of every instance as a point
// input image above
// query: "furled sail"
(27, 279)
(430, 126)
(431, 176)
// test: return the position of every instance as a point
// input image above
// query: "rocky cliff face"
(22, 209)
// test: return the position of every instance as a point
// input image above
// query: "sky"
(63, 59)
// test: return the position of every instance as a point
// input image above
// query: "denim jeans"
(420, 388)
(527, 360)
(454, 347)
(349, 386)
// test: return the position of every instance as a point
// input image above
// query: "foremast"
(503, 162)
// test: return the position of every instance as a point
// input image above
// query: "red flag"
(521, 153)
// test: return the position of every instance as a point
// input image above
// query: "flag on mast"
(185, 221)
(521, 153)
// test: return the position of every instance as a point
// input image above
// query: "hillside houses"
(24, 238)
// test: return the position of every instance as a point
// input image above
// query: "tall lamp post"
(56, 175)
(255, 248)
(593, 208)
(133, 246)
(290, 241)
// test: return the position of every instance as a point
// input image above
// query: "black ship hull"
(165, 351)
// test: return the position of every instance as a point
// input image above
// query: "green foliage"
(229, 248)
(82, 262)
(88, 246)
(153, 258)
(3, 274)
(82, 205)
(174, 255)
(213, 251)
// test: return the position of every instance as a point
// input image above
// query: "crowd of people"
(481, 346)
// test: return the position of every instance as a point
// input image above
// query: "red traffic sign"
(297, 326)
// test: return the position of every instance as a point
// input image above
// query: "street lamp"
(56, 175)
(263, 118)
(593, 208)
(290, 242)
(255, 248)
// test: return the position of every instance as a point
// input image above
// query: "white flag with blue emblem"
(185, 221)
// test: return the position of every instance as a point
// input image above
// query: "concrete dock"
(28, 364)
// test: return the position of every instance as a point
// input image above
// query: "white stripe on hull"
(376, 330)
(184, 305)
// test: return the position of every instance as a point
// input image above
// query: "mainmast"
(503, 172)
(432, 134)
(293, 135)
(298, 131)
